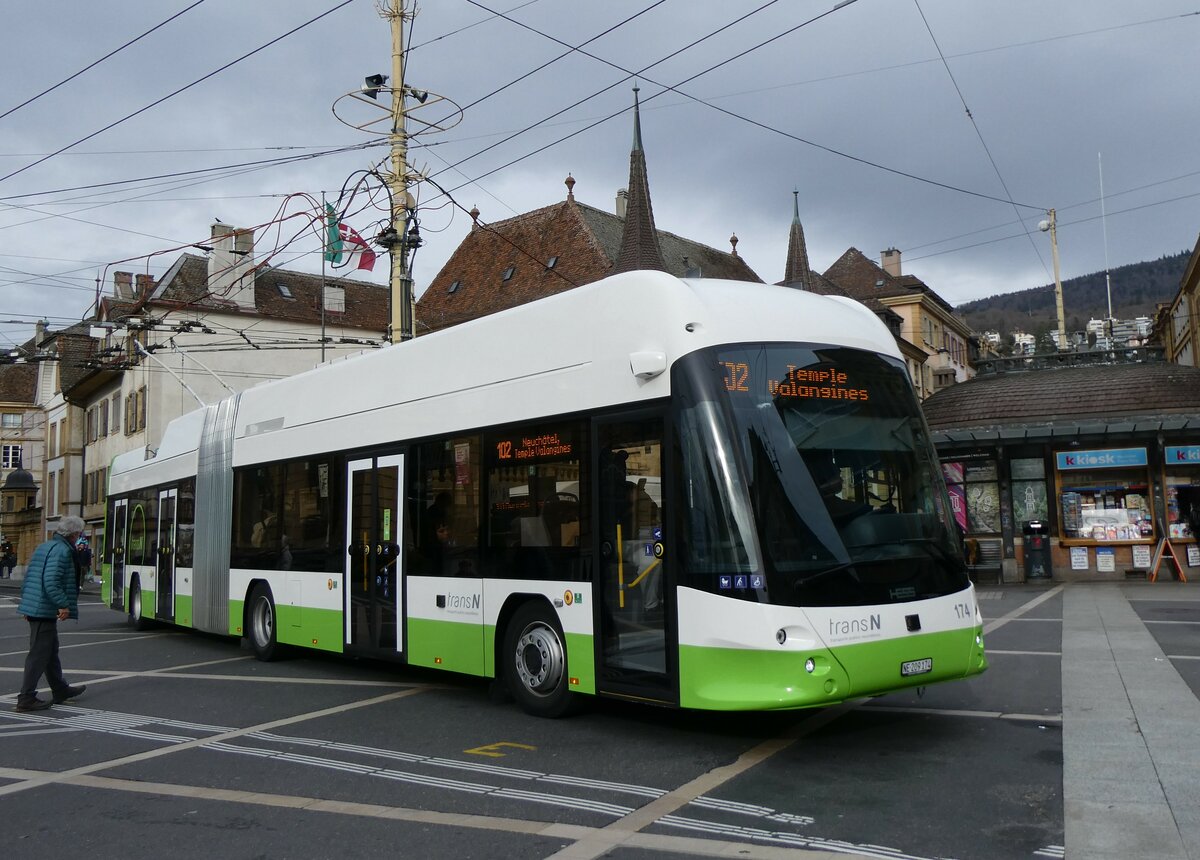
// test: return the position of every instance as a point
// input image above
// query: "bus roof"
(593, 346)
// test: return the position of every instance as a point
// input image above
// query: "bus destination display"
(801, 383)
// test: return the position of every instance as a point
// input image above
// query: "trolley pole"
(401, 326)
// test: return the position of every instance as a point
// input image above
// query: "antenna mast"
(1104, 226)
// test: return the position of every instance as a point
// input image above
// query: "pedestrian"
(83, 555)
(49, 595)
(8, 559)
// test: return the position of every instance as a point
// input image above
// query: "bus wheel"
(535, 662)
(137, 620)
(260, 618)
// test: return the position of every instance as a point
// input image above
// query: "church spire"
(639, 240)
(796, 273)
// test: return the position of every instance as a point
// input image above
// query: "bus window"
(537, 521)
(444, 496)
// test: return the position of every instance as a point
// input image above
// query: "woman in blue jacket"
(49, 594)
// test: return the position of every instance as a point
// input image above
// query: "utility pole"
(1051, 225)
(401, 327)
(402, 236)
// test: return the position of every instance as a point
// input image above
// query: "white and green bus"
(695, 493)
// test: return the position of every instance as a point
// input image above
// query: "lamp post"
(1051, 225)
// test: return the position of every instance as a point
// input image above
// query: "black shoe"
(69, 693)
(34, 704)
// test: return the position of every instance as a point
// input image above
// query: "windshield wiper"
(822, 573)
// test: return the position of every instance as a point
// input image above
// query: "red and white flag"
(343, 245)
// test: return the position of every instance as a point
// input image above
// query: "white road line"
(951, 712)
(992, 652)
(1022, 609)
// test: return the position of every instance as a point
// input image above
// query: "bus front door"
(374, 593)
(164, 558)
(635, 596)
(115, 534)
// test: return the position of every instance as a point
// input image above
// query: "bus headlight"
(810, 665)
(780, 635)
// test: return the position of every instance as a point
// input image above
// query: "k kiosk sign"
(1183, 455)
(1111, 458)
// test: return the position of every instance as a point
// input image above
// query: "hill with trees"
(1136, 289)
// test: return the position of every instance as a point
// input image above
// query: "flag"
(343, 244)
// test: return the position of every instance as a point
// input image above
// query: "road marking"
(953, 712)
(1021, 610)
(37, 782)
(659, 843)
(493, 750)
(992, 652)
(22, 652)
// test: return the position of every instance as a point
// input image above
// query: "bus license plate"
(916, 667)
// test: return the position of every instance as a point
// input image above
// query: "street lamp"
(1050, 225)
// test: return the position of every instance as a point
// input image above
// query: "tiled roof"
(1104, 392)
(366, 303)
(585, 241)
(862, 278)
(18, 383)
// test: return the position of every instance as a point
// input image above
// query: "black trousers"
(42, 659)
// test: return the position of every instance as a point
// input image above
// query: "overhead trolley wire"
(93, 65)
(675, 89)
(182, 89)
(979, 134)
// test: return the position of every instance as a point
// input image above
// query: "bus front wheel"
(535, 662)
(260, 623)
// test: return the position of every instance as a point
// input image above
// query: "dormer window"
(285, 291)
(552, 262)
(454, 287)
(508, 273)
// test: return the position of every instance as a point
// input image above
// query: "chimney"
(890, 260)
(230, 265)
(622, 202)
(123, 286)
(145, 286)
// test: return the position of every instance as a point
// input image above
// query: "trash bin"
(1037, 551)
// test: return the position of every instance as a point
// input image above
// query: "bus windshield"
(808, 478)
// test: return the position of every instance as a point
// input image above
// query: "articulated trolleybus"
(696, 493)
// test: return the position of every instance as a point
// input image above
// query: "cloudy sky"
(944, 128)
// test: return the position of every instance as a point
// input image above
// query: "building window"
(1183, 491)
(102, 412)
(508, 273)
(116, 413)
(284, 291)
(1104, 495)
(454, 287)
(10, 456)
(1029, 490)
(52, 441)
(974, 495)
(552, 262)
(10, 421)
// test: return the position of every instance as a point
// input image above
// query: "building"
(562, 246)
(1177, 323)
(22, 450)
(929, 321)
(1102, 450)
